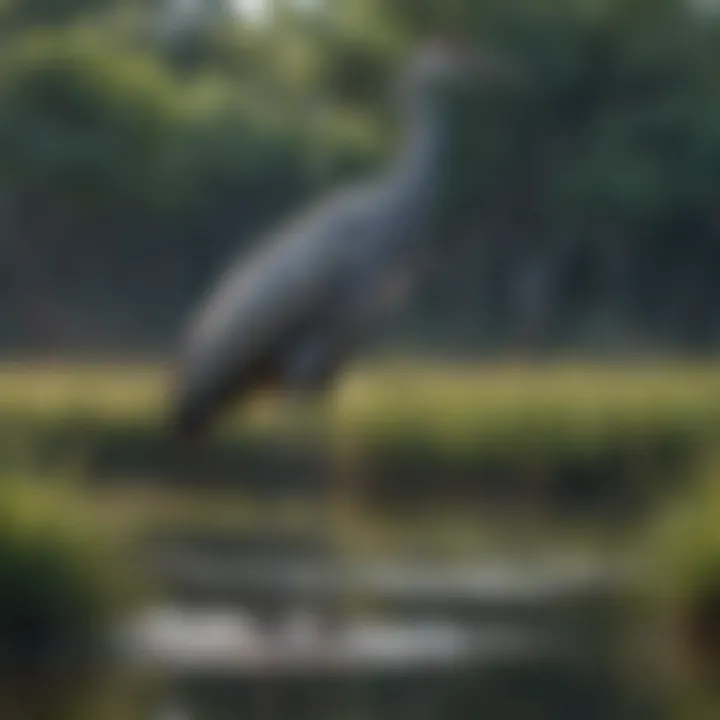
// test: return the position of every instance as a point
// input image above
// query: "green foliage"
(40, 12)
(64, 587)
(111, 124)
(682, 554)
(84, 118)
(599, 177)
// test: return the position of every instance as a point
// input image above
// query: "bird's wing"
(362, 300)
(261, 302)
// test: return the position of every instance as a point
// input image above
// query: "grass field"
(454, 428)
(441, 401)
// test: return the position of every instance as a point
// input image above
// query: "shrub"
(64, 586)
(682, 556)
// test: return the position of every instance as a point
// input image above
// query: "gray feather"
(295, 309)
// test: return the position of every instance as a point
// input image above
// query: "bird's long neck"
(419, 168)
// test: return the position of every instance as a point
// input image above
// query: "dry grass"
(554, 421)
(138, 391)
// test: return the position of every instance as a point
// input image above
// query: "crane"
(290, 314)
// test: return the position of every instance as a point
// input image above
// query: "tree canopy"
(163, 134)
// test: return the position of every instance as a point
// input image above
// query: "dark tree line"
(139, 146)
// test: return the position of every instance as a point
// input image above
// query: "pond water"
(225, 665)
(498, 640)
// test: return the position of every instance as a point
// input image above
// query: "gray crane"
(291, 313)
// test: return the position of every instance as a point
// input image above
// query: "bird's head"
(445, 66)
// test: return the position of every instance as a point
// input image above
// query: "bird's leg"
(343, 484)
(305, 425)
(285, 414)
(314, 419)
(341, 501)
(308, 422)
(293, 410)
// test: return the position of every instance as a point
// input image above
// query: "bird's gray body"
(291, 312)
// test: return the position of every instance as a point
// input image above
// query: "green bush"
(682, 556)
(64, 586)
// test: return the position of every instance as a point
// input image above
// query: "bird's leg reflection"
(302, 421)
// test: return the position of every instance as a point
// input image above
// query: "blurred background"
(513, 510)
